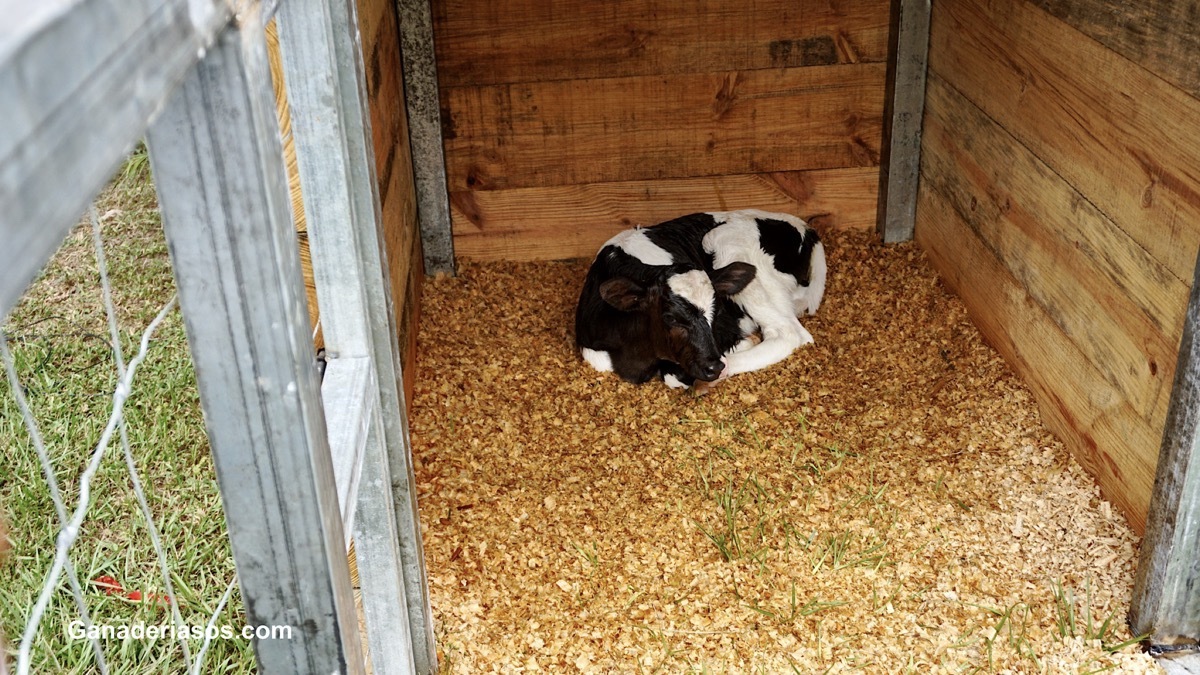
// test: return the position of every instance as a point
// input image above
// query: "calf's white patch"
(696, 288)
(673, 382)
(637, 244)
(599, 360)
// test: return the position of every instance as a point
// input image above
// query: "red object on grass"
(113, 587)
(109, 584)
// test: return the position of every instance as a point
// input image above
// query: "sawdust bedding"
(883, 501)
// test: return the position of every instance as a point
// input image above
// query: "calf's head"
(678, 306)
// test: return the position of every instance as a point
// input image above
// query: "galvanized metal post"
(904, 107)
(218, 165)
(1166, 594)
(425, 134)
(322, 58)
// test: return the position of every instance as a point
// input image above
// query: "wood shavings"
(884, 499)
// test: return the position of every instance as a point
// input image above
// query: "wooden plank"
(385, 97)
(394, 165)
(334, 146)
(372, 17)
(402, 234)
(904, 101)
(1119, 306)
(425, 134)
(393, 157)
(76, 99)
(1159, 35)
(1077, 403)
(401, 223)
(541, 40)
(573, 221)
(639, 128)
(1166, 597)
(1127, 140)
(223, 192)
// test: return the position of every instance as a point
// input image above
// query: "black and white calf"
(680, 299)
(649, 300)
(790, 283)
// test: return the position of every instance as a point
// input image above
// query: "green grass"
(774, 506)
(1011, 629)
(588, 553)
(753, 517)
(788, 616)
(1008, 629)
(1074, 618)
(58, 335)
(761, 493)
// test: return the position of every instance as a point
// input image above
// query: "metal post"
(218, 165)
(1166, 594)
(322, 59)
(425, 133)
(904, 107)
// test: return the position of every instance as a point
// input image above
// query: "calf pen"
(844, 510)
(1042, 154)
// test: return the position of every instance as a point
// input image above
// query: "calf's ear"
(623, 293)
(733, 278)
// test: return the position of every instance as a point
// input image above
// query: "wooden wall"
(565, 120)
(393, 164)
(1060, 197)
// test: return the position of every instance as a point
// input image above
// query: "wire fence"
(306, 461)
(187, 645)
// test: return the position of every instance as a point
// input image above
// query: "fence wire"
(70, 525)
